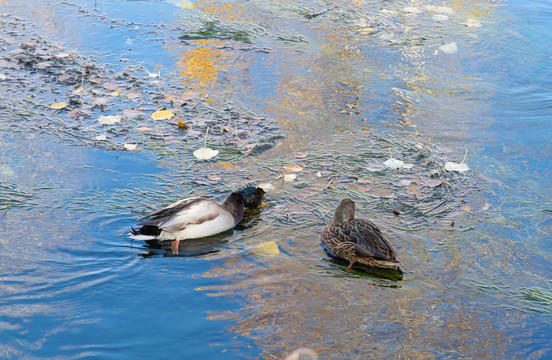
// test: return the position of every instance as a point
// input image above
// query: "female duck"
(357, 240)
(196, 217)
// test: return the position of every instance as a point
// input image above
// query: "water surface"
(335, 88)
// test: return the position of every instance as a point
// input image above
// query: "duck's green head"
(252, 196)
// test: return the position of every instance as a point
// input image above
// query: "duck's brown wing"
(368, 239)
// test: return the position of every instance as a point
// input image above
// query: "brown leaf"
(99, 101)
(111, 86)
(64, 77)
(432, 183)
(133, 95)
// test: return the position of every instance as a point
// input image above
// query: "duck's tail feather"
(146, 232)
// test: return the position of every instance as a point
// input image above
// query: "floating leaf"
(269, 248)
(472, 23)
(130, 146)
(109, 119)
(267, 187)
(432, 183)
(133, 114)
(248, 149)
(78, 113)
(111, 86)
(449, 48)
(101, 137)
(144, 130)
(205, 153)
(99, 101)
(114, 93)
(291, 168)
(445, 10)
(162, 115)
(64, 78)
(408, 166)
(290, 177)
(439, 17)
(366, 30)
(301, 155)
(3, 77)
(393, 164)
(133, 95)
(43, 65)
(462, 167)
(404, 182)
(375, 167)
(181, 124)
(58, 106)
(193, 133)
(412, 10)
(451, 166)
(78, 91)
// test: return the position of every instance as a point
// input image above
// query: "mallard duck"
(357, 240)
(196, 217)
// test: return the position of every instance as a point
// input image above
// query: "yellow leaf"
(291, 168)
(162, 115)
(114, 93)
(467, 208)
(366, 30)
(227, 165)
(58, 106)
(269, 248)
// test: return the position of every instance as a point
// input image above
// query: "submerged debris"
(70, 91)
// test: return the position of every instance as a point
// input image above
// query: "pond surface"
(333, 88)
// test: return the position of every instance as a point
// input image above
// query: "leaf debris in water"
(269, 248)
(58, 105)
(109, 119)
(205, 153)
(162, 115)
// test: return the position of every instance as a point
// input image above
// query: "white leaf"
(3, 77)
(404, 182)
(439, 17)
(393, 164)
(451, 166)
(445, 10)
(412, 10)
(101, 137)
(408, 166)
(205, 153)
(109, 119)
(449, 48)
(130, 146)
(290, 177)
(267, 187)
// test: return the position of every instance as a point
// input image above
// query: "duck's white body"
(195, 217)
